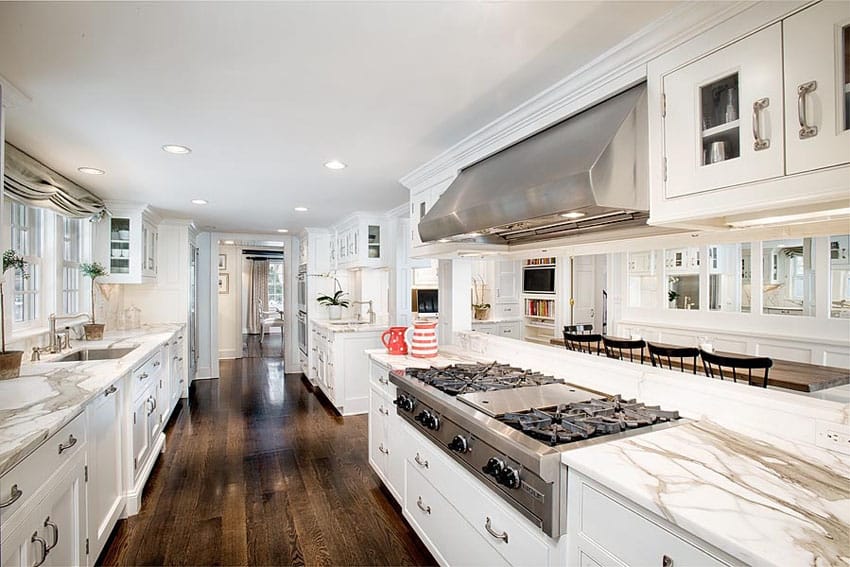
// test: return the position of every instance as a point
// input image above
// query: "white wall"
(229, 304)
(207, 306)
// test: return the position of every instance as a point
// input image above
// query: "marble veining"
(50, 394)
(762, 499)
(445, 357)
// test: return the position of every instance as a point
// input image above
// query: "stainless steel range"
(509, 426)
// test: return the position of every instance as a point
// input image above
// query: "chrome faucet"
(370, 312)
(55, 342)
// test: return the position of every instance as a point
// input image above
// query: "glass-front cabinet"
(126, 243)
(359, 242)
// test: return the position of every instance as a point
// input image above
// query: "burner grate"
(468, 378)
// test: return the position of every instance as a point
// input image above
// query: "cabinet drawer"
(29, 475)
(632, 538)
(507, 310)
(379, 377)
(146, 373)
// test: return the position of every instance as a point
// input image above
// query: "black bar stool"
(614, 348)
(657, 355)
(583, 342)
(710, 361)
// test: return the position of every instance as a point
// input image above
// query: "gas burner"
(467, 378)
(596, 417)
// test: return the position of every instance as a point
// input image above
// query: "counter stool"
(658, 354)
(614, 348)
(710, 361)
(583, 342)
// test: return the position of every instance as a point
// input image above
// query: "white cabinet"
(176, 371)
(64, 512)
(609, 530)
(126, 243)
(361, 242)
(341, 367)
(681, 260)
(507, 282)
(105, 498)
(386, 437)
(817, 87)
(507, 329)
(143, 409)
(421, 201)
(642, 263)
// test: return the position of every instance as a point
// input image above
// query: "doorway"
(590, 291)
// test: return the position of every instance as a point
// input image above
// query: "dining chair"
(583, 342)
(269, 319)
(659, 354)
(614, 348)
(713, 364)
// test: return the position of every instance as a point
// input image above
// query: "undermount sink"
(96, 354)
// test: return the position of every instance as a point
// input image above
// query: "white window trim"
(26, 328)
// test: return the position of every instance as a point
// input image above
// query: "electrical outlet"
(833, 436)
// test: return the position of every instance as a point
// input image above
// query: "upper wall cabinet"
(126, 243)
(360, 242)
(759, 125)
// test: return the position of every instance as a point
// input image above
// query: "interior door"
(584, 286)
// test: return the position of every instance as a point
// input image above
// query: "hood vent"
(592, 165)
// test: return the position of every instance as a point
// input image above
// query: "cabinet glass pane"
(374, 241)
(119, 257)
(720, 128)
(845, 83)
(643, 279)
(839, 276)
(682, 267)
(728, 269)
(788, 277)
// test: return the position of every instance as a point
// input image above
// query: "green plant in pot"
(93, 330)
(480, 310)
(335, 303)
(10, 360)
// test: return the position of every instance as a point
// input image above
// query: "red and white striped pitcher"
(423, 344)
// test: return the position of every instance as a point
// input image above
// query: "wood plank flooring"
(259, 470)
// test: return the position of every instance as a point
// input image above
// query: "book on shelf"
(540, 261)
(540, 307)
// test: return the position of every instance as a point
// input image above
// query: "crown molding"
(12, 95)
(617, 69)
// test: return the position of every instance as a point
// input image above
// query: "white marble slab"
(49, 394)
(348, 326)
(760, 498)
(445, 357)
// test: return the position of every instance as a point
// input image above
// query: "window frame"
(64, 263)
(37, 223)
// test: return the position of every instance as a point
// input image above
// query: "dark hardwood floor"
(259, 470)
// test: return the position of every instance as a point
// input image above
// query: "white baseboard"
(134, 496)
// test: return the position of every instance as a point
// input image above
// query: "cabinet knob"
(666, 561)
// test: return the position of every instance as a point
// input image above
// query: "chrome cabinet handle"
(803, 90)
(423, 507)
(383, 410)
(55, 528)
(759, 143)
(666, 561)
(156, 363)
(420, 462)
(40, 541)
(384, 381)
(488, 525)
(110, 390)
(143, 375)
(180, 358)
(382, 450)
(175, 358)
(65, 446)
(15, 493)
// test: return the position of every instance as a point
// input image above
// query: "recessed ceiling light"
(176, 149)
(573, 215)
(335, 164)
(91, 170)
(301, 209)
(199, 201)
(283, 230)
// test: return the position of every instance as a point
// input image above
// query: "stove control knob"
(494, 467)
(423, 417)
(404, 402)
(433, 422)
(509, 477)
(459, 444)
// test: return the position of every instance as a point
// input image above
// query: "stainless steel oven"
(302, 332)
(302, 288)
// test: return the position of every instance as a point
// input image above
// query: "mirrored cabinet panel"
(788, 277)
(729, 278)
(839, 277)
(642, 279)
(682, 268)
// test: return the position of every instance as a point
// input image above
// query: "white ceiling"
(265, 93)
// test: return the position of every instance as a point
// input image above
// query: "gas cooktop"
(466, 378)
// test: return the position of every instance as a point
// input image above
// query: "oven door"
(302, 332)
(302, 291)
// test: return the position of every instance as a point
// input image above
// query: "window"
(26, 224)
(71, 231)
(276, 284)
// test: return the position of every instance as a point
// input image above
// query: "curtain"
(30, 181)
(258, 293)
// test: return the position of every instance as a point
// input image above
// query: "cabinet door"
(24, 544)
(723, 117)
(141, 413)
(507, 290)
(378, 444)
(163, 397)
(65, 518)
(817, 87)
(105, 474)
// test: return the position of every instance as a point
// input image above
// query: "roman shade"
(30, 181)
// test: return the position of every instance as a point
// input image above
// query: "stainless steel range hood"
(592, 164)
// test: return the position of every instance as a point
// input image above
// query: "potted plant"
(93, 330)
(480, 310)
(10, 360)
(335, 303)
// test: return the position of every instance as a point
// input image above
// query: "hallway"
(260, 471)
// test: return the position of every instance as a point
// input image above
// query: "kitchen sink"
(96, 354)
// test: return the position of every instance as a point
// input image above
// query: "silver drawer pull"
(666, 561)
(488, 525)
(13, 496)
(384, 411)
(143, 375)
(65, 446)
(155, 364)
(759, 143)
(110, 390)
(382, 450)
(55, 528)
(420, 462)
(43, 544)
(423, 507)
(803, 90)
(180, 358)
(176, 357)
(383, 381)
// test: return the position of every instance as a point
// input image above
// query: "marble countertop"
(49, 394)
(762, 499)
(349, 326)
(445, 357)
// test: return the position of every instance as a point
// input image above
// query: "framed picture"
(224, 283)
(222, 262)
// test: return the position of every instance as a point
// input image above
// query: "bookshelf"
(539, 310)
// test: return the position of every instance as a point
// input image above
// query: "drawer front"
(379, 377)
(378, 443)
(630, 537)
(449, 537)
(146, 373)
(507, 310)
(510, 330)
(19, 485)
